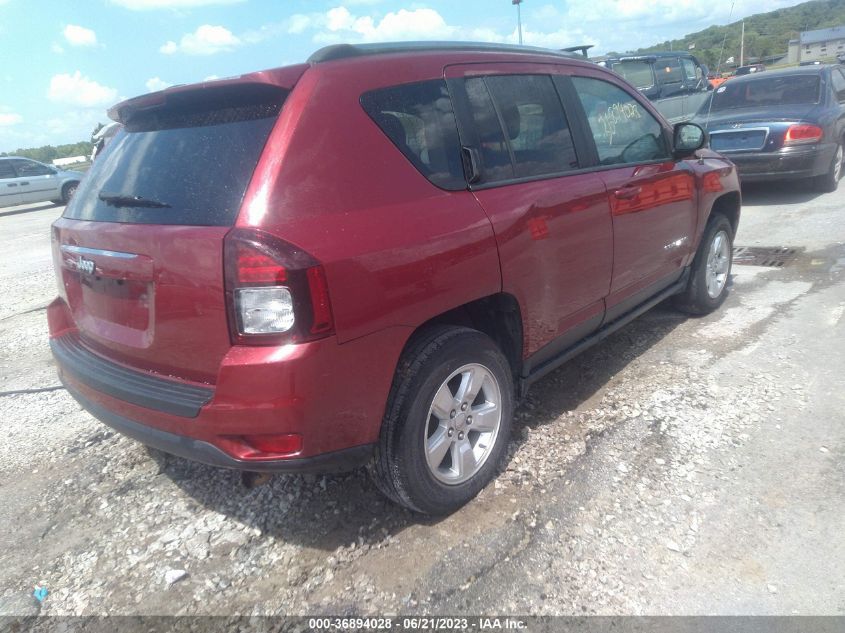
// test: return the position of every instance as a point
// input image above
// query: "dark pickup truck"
(675, 82)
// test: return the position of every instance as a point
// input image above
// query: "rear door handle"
(626, 193)
(12, 184)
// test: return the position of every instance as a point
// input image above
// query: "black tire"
(68, 190)
(400, 468)
(695, 299)
(829, 182)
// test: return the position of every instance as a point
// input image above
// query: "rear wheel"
(710, 270)
(448, 421)
(68, 190)
(830, 181)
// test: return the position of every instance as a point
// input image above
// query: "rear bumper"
(207, 453)
(331, 395)
(790, 163)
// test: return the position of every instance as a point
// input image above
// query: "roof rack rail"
(346, 51)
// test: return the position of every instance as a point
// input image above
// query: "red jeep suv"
(367, 258)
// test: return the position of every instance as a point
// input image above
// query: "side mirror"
(687, 139)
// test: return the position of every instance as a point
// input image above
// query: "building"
(818, 45)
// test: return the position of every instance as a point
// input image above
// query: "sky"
(62, 64)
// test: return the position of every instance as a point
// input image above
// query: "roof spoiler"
(251, 85)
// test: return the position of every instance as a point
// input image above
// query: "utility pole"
(518, 18)
(742, 46)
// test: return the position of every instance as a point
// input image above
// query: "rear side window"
(669, 70)
(624, 131)
(6, 170)
(536, 127)
(493, 149)
(522, 129)
(419, 120)
(193, 156)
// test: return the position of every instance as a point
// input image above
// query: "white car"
(23, 180)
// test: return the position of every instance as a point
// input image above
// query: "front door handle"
(25, 183)
(626, 193)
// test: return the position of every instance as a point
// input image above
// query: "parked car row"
(772, 125)
(368, 258)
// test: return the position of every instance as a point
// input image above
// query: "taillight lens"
(264, 310)
(802, 133)
(276, 293)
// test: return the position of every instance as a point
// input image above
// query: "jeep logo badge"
(85, 266)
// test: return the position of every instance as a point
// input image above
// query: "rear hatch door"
(139, 251)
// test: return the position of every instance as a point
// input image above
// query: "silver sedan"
(23, 180)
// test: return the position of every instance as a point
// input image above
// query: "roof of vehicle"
(771, 74)
(656, 55)
(346, 51)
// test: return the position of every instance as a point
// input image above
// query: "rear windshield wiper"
(124, 200)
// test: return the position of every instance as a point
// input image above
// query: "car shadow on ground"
(325, 512)
(778, 193)
(29, 209)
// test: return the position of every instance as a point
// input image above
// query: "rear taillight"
(802, 133)
(275, 292)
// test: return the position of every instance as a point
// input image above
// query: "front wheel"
(710, 270)
(448, 421)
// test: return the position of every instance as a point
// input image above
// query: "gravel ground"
(683, 466)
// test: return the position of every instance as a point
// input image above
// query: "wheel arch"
(498, 316)
(728, 205)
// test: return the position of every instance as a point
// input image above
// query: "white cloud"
(144, 5)
(9, 118)
(79, 36)
(298, 23)
(57, 48)
(156, 83)
(77, 89)
(340, 24)
(206, 40)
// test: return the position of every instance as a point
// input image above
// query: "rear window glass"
(640, 74)
(766, 91)
(419, 120)
(196, 155)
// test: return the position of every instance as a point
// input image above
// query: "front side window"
(419, 120)
(31, 168)
(624, 131)
(691, 71)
